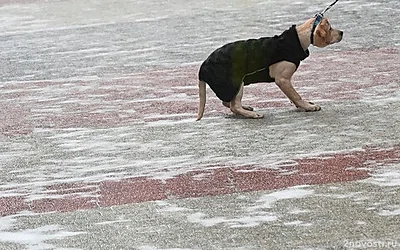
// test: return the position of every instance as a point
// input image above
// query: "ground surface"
(99, 148)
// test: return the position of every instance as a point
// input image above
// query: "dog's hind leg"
(237, 108)
(228, 105)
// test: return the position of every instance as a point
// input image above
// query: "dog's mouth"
(338, 38)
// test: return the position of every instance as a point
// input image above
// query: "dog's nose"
(341, 33)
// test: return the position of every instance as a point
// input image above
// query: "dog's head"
(325, 35)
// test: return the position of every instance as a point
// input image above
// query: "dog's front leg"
(283, 72)
(286, 86)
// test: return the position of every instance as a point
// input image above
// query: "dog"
(268, 59)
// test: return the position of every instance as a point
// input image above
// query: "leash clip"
(318, 18)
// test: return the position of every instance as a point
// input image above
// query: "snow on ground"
(99, 98)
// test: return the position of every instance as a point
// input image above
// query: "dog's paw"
(313, 108)
(309, 107)
(316, 108)
(253, 115)
(248, 108)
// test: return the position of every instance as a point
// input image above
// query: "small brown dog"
(268, 59)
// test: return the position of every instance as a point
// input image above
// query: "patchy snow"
(394, 211)
(297, 223)
(244, 221)
(268, 200)
(6, 222)
(112, 222)
(33, 238)
(385, 176)
(169, 208)
(123, 104)
(147, 247)
(299, 211)
(254, 215)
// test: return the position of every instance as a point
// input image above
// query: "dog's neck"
(304, 33)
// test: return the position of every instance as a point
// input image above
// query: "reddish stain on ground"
(211, 182)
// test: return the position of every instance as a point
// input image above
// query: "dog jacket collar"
(318, 19)
(289, 48)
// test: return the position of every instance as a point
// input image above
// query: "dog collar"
(318, 19)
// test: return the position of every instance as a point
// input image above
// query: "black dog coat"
(248, 61)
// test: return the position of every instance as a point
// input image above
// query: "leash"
(318, 19)
(328, 8)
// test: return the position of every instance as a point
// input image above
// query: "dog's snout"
(340, 36)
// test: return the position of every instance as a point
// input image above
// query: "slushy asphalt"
(99, 148)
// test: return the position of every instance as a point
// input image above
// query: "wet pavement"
(99, 146)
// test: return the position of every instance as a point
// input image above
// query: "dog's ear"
(322, 34)
(321, 38)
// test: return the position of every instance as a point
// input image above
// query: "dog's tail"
(202, 96)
